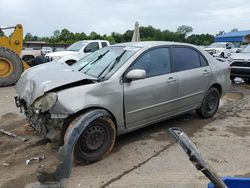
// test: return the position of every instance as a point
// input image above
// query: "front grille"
(241, 64)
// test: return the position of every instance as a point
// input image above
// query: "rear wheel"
(96, 141)
(209, 104)
(222, 55)
(11, 67)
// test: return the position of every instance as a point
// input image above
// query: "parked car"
(46, 50)
(59, 49)
(118, 89)
(29, 54)
(240, 64)
(77, 50)
(220, 49)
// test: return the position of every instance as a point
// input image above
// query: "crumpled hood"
(240, 56)
(61, 53)
(37, 80)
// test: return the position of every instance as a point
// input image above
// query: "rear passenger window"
(185, 58)
(203, 61)
(155, 62)
(104, 44)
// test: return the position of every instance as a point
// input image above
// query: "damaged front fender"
(65, 153)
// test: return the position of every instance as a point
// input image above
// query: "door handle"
(205, 72)
(171, 79)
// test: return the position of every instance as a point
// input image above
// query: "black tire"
(209, 104)
(222, 55)
(96, 141)
(14, 65)
(232, 78)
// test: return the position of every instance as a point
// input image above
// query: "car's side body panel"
(149, 99)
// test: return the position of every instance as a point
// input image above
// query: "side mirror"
(136, 74)
(86, 50)
(238, 50)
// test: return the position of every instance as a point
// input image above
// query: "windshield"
(246, 49)
(76, 46)
(46, 48)
(217, 45)
(104, 62)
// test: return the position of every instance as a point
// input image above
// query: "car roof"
(148, 44)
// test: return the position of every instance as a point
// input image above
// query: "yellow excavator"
(11, 65)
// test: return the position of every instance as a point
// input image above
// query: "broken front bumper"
(42, 122)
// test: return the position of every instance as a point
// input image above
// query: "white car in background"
(240, 64)
(46, 50)
(221, 49)
(77, 51)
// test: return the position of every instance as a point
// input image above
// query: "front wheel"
(96, 141)
(209, 104)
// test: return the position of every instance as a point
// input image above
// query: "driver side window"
(155, 62)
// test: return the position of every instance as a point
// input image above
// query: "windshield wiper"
(117, 59)
(93, 62)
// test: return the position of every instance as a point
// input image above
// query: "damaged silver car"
(118, 89)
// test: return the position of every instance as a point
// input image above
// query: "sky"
(43, 17)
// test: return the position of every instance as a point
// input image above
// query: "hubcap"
(211, 102)
(6, 67)
(93, 139)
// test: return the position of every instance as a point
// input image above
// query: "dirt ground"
(148, 157)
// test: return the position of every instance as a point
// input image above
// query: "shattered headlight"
(46, 102)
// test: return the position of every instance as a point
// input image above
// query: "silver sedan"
(118, 89)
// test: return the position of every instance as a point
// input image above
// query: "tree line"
(148, 33)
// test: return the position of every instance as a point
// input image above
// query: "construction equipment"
(11, 66)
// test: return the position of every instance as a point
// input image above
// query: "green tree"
(184, 30)
(234, 30)
(56, 33)
(28, 36)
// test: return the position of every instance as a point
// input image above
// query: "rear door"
(193, 76)
(153, 98)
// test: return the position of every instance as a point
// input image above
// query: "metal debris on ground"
(13, 135)
(5, 164)
(29, 161)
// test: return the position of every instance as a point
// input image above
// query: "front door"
(153, 98)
